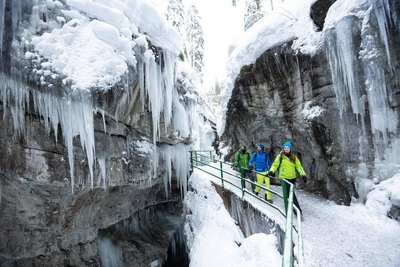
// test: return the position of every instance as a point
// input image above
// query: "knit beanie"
(288, 144)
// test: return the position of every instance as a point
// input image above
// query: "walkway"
(336, 235)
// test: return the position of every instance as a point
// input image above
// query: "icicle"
(110, 254)
(158, 86)
(104, 121)
(102, 112)
(341, 57)
(383, 27)
(375, 96)
(178, 156)
(383, 15)
(2, 12)
(16, 7)
(141, 69)
(14, 96)
(103, 169)
(73, 112)
(150, 78)
(154, 163)
(180, 117)
(167, 156)
(156, 94)
(383, 118)
(181, 165)
(169, 80)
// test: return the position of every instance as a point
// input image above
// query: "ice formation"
(90, 45)
(344, 62)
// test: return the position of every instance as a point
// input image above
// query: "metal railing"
(199, 159)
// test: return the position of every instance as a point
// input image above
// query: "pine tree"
(217, 93)
(195, 41)
(176, 15)
(254, 12)
(212, 98)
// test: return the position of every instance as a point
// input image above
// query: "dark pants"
(243, 175)
(251, 177)
(295, 202)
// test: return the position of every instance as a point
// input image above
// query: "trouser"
(295, 202)
(251, 177)
(243, 175)
(263, 178)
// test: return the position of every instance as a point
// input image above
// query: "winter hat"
(262, 146)
(243, 146)
(288, 144)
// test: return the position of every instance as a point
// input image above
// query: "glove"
(236, 164)
(251, 168)
(304, 178)
(271, 173)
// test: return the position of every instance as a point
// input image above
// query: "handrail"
(197, 159)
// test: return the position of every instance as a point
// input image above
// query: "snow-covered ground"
(333, 235)
(336, 235)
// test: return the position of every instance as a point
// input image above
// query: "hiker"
(262, 165)
(288, 163)
(242, 158)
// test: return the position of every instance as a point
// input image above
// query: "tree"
(217, 93)
(212, 98)
(195, 41)
(254, 12)
(176, 15)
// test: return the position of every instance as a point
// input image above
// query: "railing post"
(241, 179)
(287, 259)
(285, 195)
(222, 174)
(191, 159)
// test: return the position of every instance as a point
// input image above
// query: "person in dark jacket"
(262, 165)
(288, 164)
(242, 158)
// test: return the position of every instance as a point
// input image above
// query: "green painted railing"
(201, 158)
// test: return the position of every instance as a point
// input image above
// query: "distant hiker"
(288, 163)
(242, 158)
(262, 165)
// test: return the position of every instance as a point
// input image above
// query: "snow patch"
(311, 111)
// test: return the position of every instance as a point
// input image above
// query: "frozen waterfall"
(358, 68)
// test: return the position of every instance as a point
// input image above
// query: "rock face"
(250, 219)
(339, 106)
(74, 164)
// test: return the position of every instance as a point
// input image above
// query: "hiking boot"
(255, 193)
(270, 201)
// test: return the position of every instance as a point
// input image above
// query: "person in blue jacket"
(262, 165)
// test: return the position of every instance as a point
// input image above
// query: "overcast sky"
(222, 24)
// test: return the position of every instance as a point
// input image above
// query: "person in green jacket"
(242, 158)
(288, 164)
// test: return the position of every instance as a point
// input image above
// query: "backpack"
(280, 160)
(266, 155)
